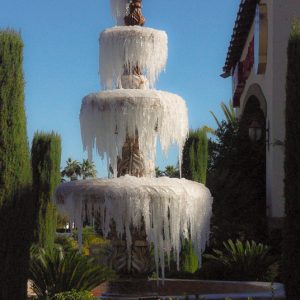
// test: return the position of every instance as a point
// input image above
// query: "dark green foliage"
(194, 167)
(189, 259)
(66, 243)
(291, 251)
(195, 156)
(74, 295)
(45, 160)
(16, 211)
(53, 271)
(47, 236)
(236, 179)
(244, 261)
(14, 156)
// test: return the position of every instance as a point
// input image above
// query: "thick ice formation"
(175, 207)
(130, 46)
(118, 10)
(131, 59)
(107, 117)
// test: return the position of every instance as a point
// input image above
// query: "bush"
(74, 295)
(189, 259)
(90, 238)
(236, 179)
(244, 261)
(55, 271)
(67, 243)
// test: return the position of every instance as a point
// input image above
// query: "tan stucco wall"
(272, 84)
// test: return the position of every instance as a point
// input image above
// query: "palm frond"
(216, 119)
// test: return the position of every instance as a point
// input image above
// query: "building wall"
(270, 88)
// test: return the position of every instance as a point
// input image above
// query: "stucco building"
(257, 63)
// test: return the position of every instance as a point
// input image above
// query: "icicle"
(153, 113)
(131, 46)
(172, 206)
(118, 10)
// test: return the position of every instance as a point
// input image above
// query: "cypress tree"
(194, 167)
(45, 160)
(16, 205)
(291, 251)
(195, 156)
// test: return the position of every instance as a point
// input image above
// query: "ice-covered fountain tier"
(123, 123)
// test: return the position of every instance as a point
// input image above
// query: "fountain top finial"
(135, 16)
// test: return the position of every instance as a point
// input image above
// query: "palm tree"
(55, 271)
(171, 171)
(88, 169)
(158, 172)
(72, 169)
(229, 113)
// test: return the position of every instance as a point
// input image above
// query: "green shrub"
(16, 206)
(67, 243)
(189, 259)
(245, 261)
(236, 179)
(54, 271)
(74, 295)
(90, 238)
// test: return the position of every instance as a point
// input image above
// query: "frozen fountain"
(124, 123)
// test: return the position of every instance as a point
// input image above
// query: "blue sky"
(61, 59)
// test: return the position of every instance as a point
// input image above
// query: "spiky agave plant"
(245, 260)
(55, 271)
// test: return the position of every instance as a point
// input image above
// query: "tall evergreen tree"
(16, 205)
(45, 160)
(195, 156)
(194, 167)
(292, 169)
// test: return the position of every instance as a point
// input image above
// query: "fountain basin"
(189, 289)
(131, 46)
(109, 117)
(175, 207)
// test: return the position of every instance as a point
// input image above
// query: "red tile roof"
(242, 26)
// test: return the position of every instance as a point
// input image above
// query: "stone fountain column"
(132, 162)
